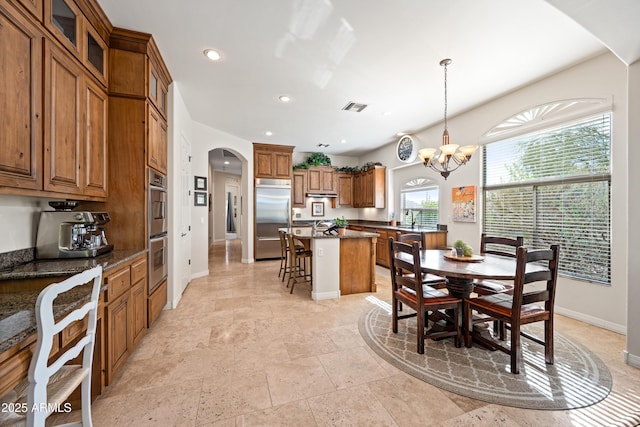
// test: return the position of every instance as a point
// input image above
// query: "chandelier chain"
(445, 96)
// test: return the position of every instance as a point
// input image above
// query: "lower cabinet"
(157, 301)
(117, 315)
(382, 248)
(125, 313)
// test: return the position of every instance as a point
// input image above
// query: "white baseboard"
(595, 321)
(317, 296)
(247, 260)
(200, 274)
(631, 359)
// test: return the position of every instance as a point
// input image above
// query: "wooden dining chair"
(432, 280)
(522, 307)
(423, 299)
(503, 246)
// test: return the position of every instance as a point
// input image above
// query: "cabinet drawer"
(76, 328)
(138, 270)
(119, 282)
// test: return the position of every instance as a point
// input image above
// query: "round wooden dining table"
(461, 272)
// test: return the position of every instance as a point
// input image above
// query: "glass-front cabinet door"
(95, 54)
(64, 19)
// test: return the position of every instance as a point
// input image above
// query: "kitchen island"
(342, 265)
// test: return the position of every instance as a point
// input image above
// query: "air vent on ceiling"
(355, 107)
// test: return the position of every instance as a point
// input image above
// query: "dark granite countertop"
(17, 309)
(307, 233)
(68, 267)
(377, 224)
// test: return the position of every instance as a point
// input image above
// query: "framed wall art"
(199, 199)
(464, 203)
(199, 183)
(317, 208)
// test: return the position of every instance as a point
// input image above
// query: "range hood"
(319, 195)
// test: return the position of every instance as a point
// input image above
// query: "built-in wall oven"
(158, 250)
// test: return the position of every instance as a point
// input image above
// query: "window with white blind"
(419, 197)
(553, 186)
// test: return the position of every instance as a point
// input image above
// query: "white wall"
(601, 77)
(19, 218)
(219, 181)
(205, 139)
(179, 126)
(633, 268)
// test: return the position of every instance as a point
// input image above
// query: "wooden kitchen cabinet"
(345, 189)
(157, 301)
(299, 189)
(138, 301)
(321, 179)
(21, 108)
(63, 150)
(382, 247)
(138, 74)
(137, 135)
(63, 19)
(117, 325)
(272, 161)
(369, 189)
(55, 126)
(35, 7)
(158, 89)
(125, 313)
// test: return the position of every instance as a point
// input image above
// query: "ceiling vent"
(355, 107)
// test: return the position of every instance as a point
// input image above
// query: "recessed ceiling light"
(343, 141)
(284, 98)
(213, 55)
(387, 113)
(268, 133)
(226, 162)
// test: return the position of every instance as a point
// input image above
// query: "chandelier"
(449, 157)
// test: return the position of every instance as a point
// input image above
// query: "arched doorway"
(226, 196)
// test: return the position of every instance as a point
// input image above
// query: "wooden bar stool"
(298, 263)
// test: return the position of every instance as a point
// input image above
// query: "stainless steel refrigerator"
(273, 211)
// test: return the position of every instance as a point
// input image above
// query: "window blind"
(554, 187)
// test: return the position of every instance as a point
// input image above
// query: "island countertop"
(308, 233)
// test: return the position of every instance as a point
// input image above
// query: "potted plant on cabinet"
(341, 223)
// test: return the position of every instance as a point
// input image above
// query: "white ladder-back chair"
(50, 385)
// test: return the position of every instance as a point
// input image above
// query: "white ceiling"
(382, 53)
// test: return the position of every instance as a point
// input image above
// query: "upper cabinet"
(34, 7)
(369, 188)
(95, 54)
(75, 147)
(64, 20)
(345, 189)
(55, 132)
(21, 107)
(137, 72)
(299, 189)
(321, 179)
(272, 161)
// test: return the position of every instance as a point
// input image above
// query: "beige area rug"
(578, 378)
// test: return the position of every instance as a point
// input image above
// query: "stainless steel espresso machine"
(66, 234)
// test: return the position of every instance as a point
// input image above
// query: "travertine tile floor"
(241, 351)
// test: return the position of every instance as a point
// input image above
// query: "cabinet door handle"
(183, 234)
